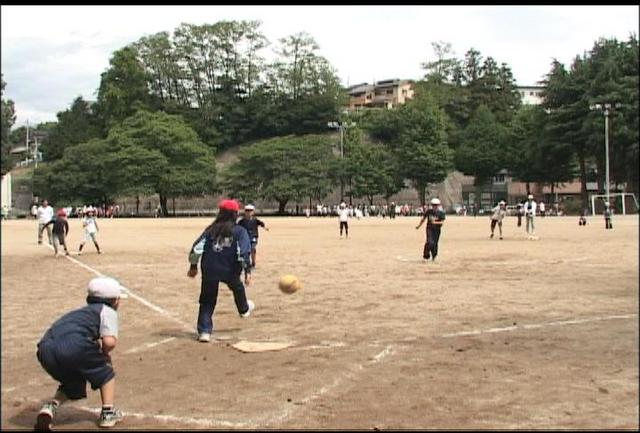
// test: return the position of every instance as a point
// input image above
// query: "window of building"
(390, 92)
(530, 93)
(499, 178)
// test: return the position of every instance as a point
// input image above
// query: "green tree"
(75, 125)
(176, 162)
(282, 169)
(482, 152)
(123, 89)
(8, 114)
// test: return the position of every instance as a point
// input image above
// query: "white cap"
(502, 202)
(106, 287)
(343, 204)
(530, 197)
(435, 201)
(249, 207)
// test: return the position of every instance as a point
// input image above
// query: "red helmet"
(228, 204)
(62, 212)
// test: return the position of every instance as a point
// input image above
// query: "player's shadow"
(67, 417)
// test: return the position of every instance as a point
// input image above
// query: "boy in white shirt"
(343, 214)
(530, 213)
(499, 212)
(90, 226)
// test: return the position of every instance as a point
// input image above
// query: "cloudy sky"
(52, 54)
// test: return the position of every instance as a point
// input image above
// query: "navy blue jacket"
(224, 260)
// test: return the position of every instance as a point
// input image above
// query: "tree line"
(168, 103)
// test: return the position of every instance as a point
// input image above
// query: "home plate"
(260, 346)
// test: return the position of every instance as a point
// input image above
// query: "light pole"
(606, 108)
(338, 125)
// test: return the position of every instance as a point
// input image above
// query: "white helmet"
(502, 203)
(530, 196)
(343, 205)
(435, 201)
(249, 207)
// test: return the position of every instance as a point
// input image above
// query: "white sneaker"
(252, 307)
(204, 337)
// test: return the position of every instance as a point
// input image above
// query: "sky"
(53, 54)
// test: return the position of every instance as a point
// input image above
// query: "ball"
(289, 284)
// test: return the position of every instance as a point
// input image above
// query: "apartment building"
(380, 94)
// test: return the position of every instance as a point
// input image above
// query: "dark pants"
(519, 220)
(431, 246)
(607, 223)
(73, 364)
(346, 228)
(209, 298)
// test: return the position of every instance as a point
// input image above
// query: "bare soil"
(495, 334)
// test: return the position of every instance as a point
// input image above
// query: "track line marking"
(200, 422)
(135, 296)
(537, 325)
(149, 345)
(349, 374)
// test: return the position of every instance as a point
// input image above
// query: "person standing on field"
(90, 225)
(44, 213)
(530, 213)
(498, 214)
(251, 224)
(223, 249)
(607, 216)
(343, 216)
(76, 349)
(435, 218)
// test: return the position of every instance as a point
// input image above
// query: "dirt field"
(511, 334)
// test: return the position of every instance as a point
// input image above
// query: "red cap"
(229, 205)
(62, 212)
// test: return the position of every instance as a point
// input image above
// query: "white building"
(531, 95)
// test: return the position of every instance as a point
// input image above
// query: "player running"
(435, 218)
(90, 225)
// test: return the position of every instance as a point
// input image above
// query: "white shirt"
(89, 224)
(530, 208)
(45, 214)
(498, 213)
(343, 214)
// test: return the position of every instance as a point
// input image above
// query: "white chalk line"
(200, 422)
(135, 296)
(537, 325)
(149, 345)
(349, 374)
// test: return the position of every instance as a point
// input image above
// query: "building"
(531, 95)
(381, 94)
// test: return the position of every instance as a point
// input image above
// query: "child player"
(90, 226)
(60, 231)
(435, 218)
(498, 214)
(223, 249)
(343, 216)
(251, 224)
(76, 350)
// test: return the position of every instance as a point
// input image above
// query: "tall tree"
(123, 89)
(283, 169)
(78, 124)
(8, 118)
(482, 152)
